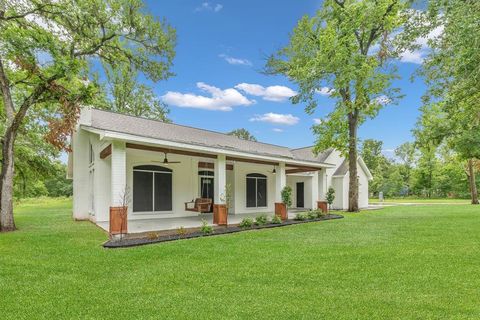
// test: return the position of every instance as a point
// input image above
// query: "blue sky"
(221, 50)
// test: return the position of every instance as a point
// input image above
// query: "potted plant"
(119, 216)
(330, 196)
(281, 208)
(220, 211)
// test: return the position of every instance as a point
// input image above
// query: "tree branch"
(6, 94)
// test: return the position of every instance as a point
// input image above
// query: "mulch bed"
(172, 235)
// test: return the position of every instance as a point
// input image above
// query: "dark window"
(206, 173)
(142, 191)
(256, 190)
(163, 191)
(152, 188)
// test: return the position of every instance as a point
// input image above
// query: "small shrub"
(301, 216)
(261, 220)
(276, 220)
(152, 236)
(315, 214)
(205, 228)
(286, 194)
(312, 214)
(181, 231)
(330, 196)
(246, 223)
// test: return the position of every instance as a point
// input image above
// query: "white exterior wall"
(80, 145)
(307, 181)
(185, 184)
(241, 169)
(102, 182)
(362, 188)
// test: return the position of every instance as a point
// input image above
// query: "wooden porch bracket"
(252, 161)
(209, 165)
(301, 170)
(106, 152)
(171, 151)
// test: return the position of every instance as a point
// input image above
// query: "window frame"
(256, 177)
(148, 168)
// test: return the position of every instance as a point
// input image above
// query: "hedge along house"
(157, 168)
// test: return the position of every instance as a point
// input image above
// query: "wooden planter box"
(281, 210)
(118, 220)
(220, 214)
(323, 205)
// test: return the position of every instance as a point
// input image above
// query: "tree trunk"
(352, 162)
(472, 182)
(6, 184)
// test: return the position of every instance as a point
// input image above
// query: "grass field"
(422, 201)
(402, 262)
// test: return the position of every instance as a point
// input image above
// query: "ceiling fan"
(166, 162)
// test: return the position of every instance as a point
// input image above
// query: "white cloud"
(277, 130)
(222, 100)
(208, 6)
(276, 118)
(417, 56)
(383, 100)
(317, 121)
(325, 91)
(235, 61)
(272, 93)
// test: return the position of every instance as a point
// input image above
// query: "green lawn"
(419, 262)
(422, 201)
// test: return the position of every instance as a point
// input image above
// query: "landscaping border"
(125, 243)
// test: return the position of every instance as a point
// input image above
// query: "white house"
(157, 167)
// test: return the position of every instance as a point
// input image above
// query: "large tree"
(47, 50)
(242, 134)
(345, 47)
(452, 72)
(126, 95)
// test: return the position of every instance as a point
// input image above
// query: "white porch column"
(315, 196)
(322, 184)
(220, 179)
(119, 171)
(280, 181)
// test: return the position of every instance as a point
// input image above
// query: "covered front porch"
(156, 181)
(161, 224)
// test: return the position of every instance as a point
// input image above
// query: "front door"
(300, 195)
(206, 188)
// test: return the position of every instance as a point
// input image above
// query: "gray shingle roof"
(111, 121)
(342, 169)
(308, 155)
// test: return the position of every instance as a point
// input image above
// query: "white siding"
(241, 169)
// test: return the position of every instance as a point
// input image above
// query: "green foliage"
(330, 196)
(242, 134)
(246, 223)
(206, 228)
(287, 196)
(261, 220)
(344, 49)
(315, 214)
(276, 220)
(128, 96)
(50, 53)
(301, 216)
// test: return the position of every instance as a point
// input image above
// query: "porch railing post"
(315, 195)
(280, 181)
